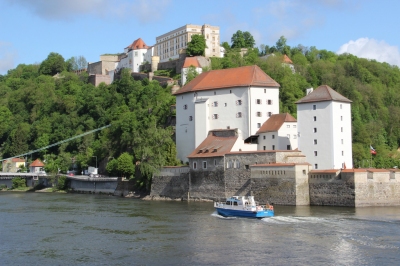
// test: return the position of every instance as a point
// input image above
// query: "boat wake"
(215, 214)
(292, 219)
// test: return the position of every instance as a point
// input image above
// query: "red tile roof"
(191, 61)
(37, 163)
(275, 122)
(214, 146)
(228, 78)
(17, 160)
(323, 93)
(138, 44)
(287, 60)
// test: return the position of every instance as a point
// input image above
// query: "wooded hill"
(37, 109)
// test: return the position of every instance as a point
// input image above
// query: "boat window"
(228, 203)
(235, 203)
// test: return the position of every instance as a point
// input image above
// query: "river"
(68, 229)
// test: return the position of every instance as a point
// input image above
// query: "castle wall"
(171, 182)
(333, 189)
(381, 188)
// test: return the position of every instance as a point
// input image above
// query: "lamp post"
(96, 160)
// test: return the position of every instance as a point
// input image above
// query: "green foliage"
(3, 186)
(18, 182)
(191, 74)
(53, 64)
(242, 40)
(125, 165)
(196, 46)
(62, 182)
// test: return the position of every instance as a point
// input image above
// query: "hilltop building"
(169, 45)
(324, 129)
(136, 54)
(241, 98)
(198, 62)
(37, 167)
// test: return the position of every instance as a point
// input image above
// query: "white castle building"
(324, 129)
(136, 54)
(169, 45)
(242, 98)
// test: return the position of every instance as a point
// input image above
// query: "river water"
(68, 229)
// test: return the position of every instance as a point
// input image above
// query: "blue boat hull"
(249, 214)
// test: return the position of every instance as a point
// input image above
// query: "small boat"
(242, 206)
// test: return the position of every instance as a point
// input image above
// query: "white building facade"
(136, 54)
(324, 129)
(279, 132)
(169, 45)
(241, 98)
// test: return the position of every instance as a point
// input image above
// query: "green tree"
(53, 64)
(196, 46)
(242, 40)
(191, 74)
(125, 165)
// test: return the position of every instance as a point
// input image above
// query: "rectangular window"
(342, 153)
(341, 141)
(194, 165)
(264, 148)
(258, 101)
(269, 114)
(341, 118)
(288, 147)
(258, 125)
(184, 106)
(273, 147)
(315, 142)
(215, 104)
(269, 102)
(340, 106)
(215, 161)
(264, 137)
(239, 115)
(273, 136)
(315, 130)
(315, 118)
(315, 153)
(288, 136)
(341, 129)
(314, 107)
(204, 165)
(294, 136)
(258, 114)
(288, 126)
(225, 104)
(215, 116)
(294, 126)
(265, 90)
(190, 118)
(239, 102)
(316, 166)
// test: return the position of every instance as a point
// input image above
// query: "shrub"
(62, 183)
(18, 183)
(3, 186)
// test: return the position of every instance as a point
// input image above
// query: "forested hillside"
(37, 109)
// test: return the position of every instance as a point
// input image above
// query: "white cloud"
(8, 56)
(144, 10)
(372, 49)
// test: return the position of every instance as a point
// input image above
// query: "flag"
(372, 150)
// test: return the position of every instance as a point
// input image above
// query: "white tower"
(324, 129)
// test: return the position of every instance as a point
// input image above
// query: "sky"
(31, 29)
